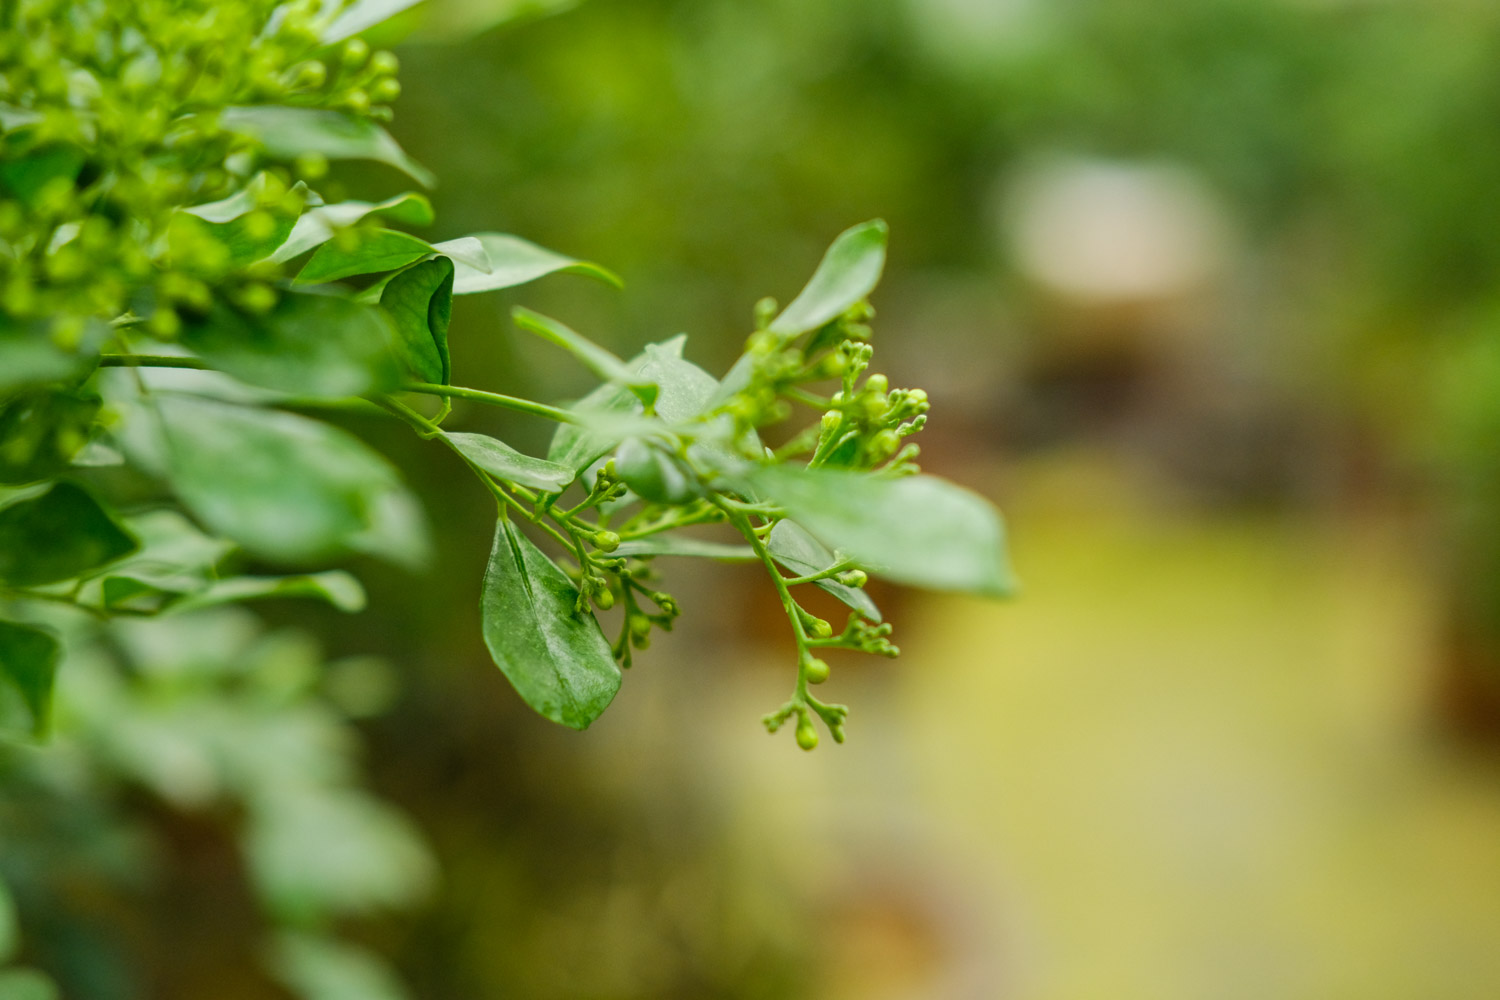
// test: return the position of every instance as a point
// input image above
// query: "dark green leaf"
(57, 535)
(556, 657)
(682, 545)
(370, 252)
(791, 545)
(23, 176)
(41, 432)
(654, 475)
(285, 487)
(513, 261)
(420, 303)
(848, 272)
(28, 667)
(918, 530)
(310, 344)
(502, 460)
(286, 133)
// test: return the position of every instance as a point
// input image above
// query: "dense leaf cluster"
(180, 288)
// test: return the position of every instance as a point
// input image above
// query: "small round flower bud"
(356, 51)
(853, 578)
(819, 628)
(384, 63)
(357, 101)
(607, 540)
(310, 166)
(816, 671)
(605, 599)
(917, 396)
(640, 626)
(312, 74)
(877, 383)
(385, 91)
(884, 445)
(807, 736)
(831, 419)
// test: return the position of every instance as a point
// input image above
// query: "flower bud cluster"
(111, 114)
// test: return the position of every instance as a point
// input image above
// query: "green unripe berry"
(816, 671)
(807, 736)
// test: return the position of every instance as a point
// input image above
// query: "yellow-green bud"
(819, 628)
(605, 598)
(831, 419)
(386, 91)
(384, 63)
(807, 736)
(607, 540)
(877, 383)
(853, 578)
(356, 51)
(816, 671)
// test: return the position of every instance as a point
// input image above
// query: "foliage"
(184, 297)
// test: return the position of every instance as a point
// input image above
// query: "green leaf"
(514, 261)
(682, 392)
(598, 360)
(419, 301)
(918, 530)
(286, 487)
(372, 251)
(848, 272)
(338, 588)
(309, 344)
(58, 535)
(362, 15)
(26, 984)
(502, 460)
(286, 133)
(683, 545)
(28, 667)
(23, 177)
(41, 432)
(555, 656)
(174, 558)
(654, 475)
(30, 355)
(791, 545)
(318, 225)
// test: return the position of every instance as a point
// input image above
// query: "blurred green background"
(1204, 293)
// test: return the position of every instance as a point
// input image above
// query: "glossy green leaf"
(286, 133)
(514, 261)
(683, 545)
(338, 588)
(28, 668)
(57, 535)
(317, 226)
(40, 433)
(419, 301)
(362, 15)
(309, 344)
(371, 251)
(848, 272)
(502, 460)
(556, 657)
(286, 487)
(683, 389)
(791, 546)
(918, 530)
(465, 250)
